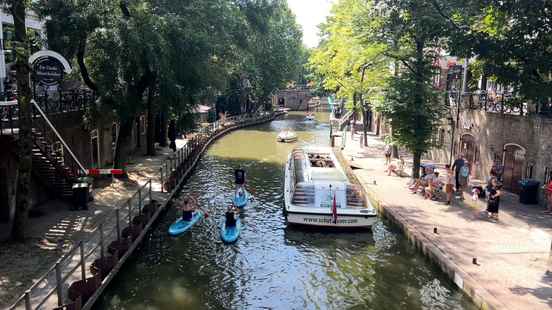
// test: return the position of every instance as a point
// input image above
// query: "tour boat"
(310, 118)
(287, 136)
(318, 192)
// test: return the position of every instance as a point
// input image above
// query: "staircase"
(54, 163)
(303, 195)
(354, 197)
(50, 168)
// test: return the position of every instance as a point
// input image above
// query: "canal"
(273, 266)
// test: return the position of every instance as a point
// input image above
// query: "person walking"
(388, 150)
(548, 197)
(172, 134)
(449, 184)
(493, 201)
(457, 166)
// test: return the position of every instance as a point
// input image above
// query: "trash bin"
(529, 191)
(80, 196)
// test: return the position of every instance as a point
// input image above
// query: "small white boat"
(318, 193)
(310, 118)
(286, 136)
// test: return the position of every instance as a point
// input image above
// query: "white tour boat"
(287, 135)
(318, 192)
(310, 118)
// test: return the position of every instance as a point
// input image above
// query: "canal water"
(273, 266)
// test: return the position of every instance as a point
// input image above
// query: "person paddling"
(231, 216)
(188, 206)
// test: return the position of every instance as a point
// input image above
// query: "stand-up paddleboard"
(241, 201)
(180, 226)
(230, 234)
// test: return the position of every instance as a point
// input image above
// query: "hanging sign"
(48, 68)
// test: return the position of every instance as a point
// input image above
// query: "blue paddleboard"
(231, 234)
(180, 226)
(241, 202)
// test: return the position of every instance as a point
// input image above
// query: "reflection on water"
(271, 266)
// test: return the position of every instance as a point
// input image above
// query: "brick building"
(296, 98)
(492, 130)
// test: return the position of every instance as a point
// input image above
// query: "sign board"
(48, 68)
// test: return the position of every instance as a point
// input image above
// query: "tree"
(511, 40)
(411, 31)
(25, 142)
(354, 68)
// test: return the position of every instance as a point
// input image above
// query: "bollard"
(162, 180)
(117, 218)
(129, 213)
(102, 247)
(28, 305)
(474, 261)
(82, 262)
(59, 285)
(150, 199)
(140, 201)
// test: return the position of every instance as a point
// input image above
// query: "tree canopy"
(176, 52)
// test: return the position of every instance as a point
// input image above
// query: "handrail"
(66, 261)
(75, 159)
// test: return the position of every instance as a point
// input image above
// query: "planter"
(83, 289)
(140, 220)
(118, 248)
(132, 232)
(102, 267)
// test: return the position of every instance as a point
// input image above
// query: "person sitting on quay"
(188, 206)
(423, 181)
(433, 185)
(396, 167)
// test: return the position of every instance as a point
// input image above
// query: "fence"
(502, 103)
(174, 168)
(66, 283)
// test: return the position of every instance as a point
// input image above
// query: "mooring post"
(59, 285)
(28, 305)
(82, 262)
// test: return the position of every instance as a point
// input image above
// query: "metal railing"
(173, 169)
(55, 286)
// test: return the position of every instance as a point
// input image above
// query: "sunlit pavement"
(512, 255)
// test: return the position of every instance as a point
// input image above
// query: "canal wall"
(422, 240)
(182, 177)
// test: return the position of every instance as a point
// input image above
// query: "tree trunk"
(122, 151)
(163, 129)
(150, 144)
(25, 145)
(417, 159)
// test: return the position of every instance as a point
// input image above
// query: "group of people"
(189, 205)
